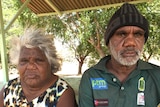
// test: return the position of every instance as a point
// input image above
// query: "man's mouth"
(129, 54)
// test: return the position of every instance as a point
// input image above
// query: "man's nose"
(130, 40)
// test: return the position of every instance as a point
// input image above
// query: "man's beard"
(126, 61)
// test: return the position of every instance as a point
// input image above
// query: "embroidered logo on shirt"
(99, 83)
(101, 102)
(141, 84)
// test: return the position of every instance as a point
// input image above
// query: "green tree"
(84, 31)
(152, 12)
(9, 10)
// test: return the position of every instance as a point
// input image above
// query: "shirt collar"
(141, 65)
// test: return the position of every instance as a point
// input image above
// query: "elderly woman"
(37, 85)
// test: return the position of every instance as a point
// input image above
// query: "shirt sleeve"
(85, 92)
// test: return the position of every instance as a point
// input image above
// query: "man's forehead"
(130, 28)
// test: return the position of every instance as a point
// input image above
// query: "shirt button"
(122, 88)
(114, 79)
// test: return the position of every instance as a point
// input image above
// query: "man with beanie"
(122, 79)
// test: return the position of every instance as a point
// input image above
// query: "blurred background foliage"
(83, 32)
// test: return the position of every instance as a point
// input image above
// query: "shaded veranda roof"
(52, 7)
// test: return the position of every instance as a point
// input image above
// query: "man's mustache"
(130, 49)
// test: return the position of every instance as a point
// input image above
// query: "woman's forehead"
(31, 51)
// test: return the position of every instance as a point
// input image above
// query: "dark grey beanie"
(126, 15)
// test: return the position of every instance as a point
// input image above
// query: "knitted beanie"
(126, 15)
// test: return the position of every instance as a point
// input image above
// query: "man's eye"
(121, 34)
(139, 34)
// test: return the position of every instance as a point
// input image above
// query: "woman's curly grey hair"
(35, 37)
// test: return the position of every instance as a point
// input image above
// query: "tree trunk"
(81, 60)
(80, 68)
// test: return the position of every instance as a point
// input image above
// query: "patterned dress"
(14, 96)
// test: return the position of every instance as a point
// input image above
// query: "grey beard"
(127, 61)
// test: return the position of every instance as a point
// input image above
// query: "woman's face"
(33, 67)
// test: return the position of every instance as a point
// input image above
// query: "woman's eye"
(24, 60)
(39, 60)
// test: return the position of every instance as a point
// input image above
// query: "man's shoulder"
(147, 65)
(153, 69)
(101, 64)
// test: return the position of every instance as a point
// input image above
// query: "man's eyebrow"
(140, 31)
(120, 31)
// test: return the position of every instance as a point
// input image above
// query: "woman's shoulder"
(62, 81)
(12, 83)
(62, 84)
(59, 85)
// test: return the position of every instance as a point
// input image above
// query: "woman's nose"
(31, 65)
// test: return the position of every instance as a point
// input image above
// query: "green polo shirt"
(100, 88)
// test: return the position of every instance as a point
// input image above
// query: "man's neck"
(120, 71)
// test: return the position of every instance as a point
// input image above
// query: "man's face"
(126, 45)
